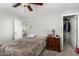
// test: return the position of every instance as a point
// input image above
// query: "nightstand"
(53, 43)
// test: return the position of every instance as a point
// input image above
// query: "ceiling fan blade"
(16, 5)
(30, 8)
(37, 3)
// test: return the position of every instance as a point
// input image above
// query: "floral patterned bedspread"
(23, 47)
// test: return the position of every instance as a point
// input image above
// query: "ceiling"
(19, 11)
(46, 8)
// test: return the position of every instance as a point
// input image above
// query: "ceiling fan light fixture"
(28, 5)
(25, 4)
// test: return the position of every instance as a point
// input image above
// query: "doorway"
(70, 30)
(17, 29)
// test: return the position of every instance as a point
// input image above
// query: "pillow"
(41, 35)
(31, 35)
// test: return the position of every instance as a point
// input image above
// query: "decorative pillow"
(31, 35)
(41, 36)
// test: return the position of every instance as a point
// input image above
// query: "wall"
(78, 32)
(45, 23)
(6, 26)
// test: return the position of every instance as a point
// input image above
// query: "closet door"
(18, 29)
(73, 33)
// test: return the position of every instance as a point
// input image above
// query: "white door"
(18, 29)
(73, 33)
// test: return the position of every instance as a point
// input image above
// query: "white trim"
(70, 14)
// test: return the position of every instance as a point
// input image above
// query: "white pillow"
(41, 35)
(31, 35)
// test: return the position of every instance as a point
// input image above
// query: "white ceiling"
(46, 8)
(19, 11)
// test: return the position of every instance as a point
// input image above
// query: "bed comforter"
(23, 47)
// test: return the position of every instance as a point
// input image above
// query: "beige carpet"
(68, 51)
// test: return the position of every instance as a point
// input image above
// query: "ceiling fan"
(27, 5)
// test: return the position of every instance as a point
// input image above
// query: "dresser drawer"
(53, 43)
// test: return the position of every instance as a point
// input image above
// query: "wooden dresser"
(53, 43)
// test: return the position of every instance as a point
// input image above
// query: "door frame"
(76, 14)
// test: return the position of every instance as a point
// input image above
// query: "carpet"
(68, 51)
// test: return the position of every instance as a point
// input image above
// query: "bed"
(23, 47)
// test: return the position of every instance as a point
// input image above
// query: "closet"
(70, 30)
(67, 28)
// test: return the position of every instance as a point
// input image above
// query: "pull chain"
(24, 8)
